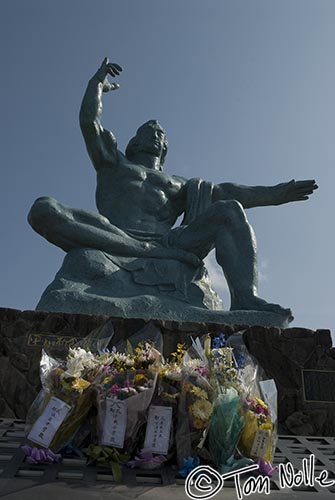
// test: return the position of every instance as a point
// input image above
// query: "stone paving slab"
(62, 491)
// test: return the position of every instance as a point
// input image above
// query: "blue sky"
(244, 89)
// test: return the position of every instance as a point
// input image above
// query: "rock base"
(23, 335)
(283, 354)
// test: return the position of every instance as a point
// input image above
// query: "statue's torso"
(134, 197)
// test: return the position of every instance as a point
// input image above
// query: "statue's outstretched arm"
(258, 196)
(101, 144)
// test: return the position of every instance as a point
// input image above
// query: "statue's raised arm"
(101, 144)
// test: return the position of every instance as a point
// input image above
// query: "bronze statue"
(139, 203)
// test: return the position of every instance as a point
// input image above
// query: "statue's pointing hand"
(295, 190)
(111, 69)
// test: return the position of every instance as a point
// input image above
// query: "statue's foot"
(254, 303)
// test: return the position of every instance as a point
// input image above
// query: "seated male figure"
(139, 203)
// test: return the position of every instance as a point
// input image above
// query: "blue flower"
(240, 360)
(189, 464)
(218, 342)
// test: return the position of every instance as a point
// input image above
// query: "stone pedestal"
(283, 354)
(23, 334)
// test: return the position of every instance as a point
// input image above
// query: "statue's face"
(151, 138)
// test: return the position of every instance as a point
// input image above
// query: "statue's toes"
(276, 308)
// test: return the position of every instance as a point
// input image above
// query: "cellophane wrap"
(195, 405)
(259, 435)
(244, 418)
(167, 396)
(68, 381)
(128, 375)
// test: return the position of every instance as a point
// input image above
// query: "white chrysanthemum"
(173, 373)
(121, 357)
(79, 361)
(195, 364)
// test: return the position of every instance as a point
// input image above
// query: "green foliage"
(110, 457)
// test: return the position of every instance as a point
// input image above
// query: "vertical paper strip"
(157, 435)
(115, 422)
(46, 426)
(261, 443)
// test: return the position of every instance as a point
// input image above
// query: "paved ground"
(73, 479)
(26, 489)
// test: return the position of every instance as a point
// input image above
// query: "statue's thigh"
(197, 237)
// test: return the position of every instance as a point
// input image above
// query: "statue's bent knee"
(230, 212)
(44, 211)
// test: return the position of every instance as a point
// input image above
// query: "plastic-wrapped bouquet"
(159, 443)
(67, 392)
(241, 424)
(125, 387)
(227, 418)
(195, 407)
(258, 435)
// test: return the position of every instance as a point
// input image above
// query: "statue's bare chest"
(128, 185)
(138, 180)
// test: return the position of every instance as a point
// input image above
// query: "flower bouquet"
(241, 425)
(162, 415)
(124, 388)
(195, 406)
(66, 398)
(227, 417)
(256, 437)
(67, 392)
(259, 434)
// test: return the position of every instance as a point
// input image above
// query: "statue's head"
(150, 138)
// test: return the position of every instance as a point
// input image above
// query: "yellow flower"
(140, 378)
(199, 424)
(177, 355)
(260, 402)
(201, 409)
(187, 387)
(66, 385)
(200, 393)
(108, 379)
(79, 384)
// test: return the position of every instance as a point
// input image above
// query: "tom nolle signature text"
(204, 482)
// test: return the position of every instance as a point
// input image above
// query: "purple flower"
(115, 389)
(265, 468)
(128, 383)
(40, 455)
(204, 372)
(147, 460)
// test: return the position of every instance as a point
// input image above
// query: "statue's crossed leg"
(223, 226)
(70, 228)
